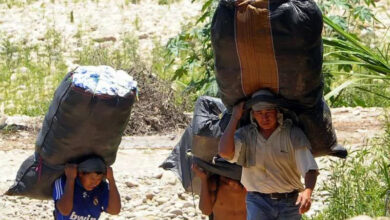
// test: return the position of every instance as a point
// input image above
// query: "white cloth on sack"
(103, 80)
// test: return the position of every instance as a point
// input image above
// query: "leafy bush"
(190, 56)
(362, 73)
(355, 74)
(358, 184)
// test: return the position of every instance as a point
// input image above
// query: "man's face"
(90, 180)
(267, 118)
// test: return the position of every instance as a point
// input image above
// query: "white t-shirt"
(280, 160)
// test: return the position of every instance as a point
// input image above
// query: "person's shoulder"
(298, 138)
(58, 187)
(296, 131)
(246, 128)
(60, 181)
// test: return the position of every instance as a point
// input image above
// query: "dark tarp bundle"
(275, 44)
(199, 144)
(34, 179)
(180, 161)
(78, 123)
(206, 127)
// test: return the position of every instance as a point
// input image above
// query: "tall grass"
(17, 3)
(167, 2)
(123, 56)
(358, 184)
(29, 74)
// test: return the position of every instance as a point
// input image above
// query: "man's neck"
(266, 133)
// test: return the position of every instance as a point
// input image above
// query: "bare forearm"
(226, 144)
(65, 204)
(205, 200)
(114, 200)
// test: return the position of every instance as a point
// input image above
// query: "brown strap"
(255, 48)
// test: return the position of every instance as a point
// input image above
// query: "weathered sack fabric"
(199, 144)
(78, 123)
(275, 44)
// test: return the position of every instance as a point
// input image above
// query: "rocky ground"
(147, 191)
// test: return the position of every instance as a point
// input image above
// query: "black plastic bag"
(276, 45)
(78, 123)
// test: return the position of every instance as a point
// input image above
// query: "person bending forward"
(83, 194)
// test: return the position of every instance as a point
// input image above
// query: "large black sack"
(296, 49)
(209, 121)
(207, 127)
(199, 144)
(180, 161)
(78, 123)
(275, 44)
(34, 179)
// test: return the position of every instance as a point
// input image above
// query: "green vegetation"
(355, 74)
(124, 56)
(356, 55)
(189, 57)
(167, 2)
(358, 184)
(356, 69)
(30, 73)
(17, 3)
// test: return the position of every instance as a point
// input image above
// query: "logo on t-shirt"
(74, 216)
(95, 201)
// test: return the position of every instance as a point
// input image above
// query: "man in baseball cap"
(274, 154)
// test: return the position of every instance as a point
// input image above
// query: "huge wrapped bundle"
(275, 44)
(89, 112)
(180, 161)
(206, 126)
(199, 144)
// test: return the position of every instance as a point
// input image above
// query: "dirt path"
(148, 192)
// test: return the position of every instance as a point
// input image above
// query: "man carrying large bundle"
(274, 154)
(89, 112)
(221, 195)
(275, 44)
